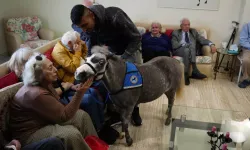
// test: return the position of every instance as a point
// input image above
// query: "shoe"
(198, 75)
(244, 84)
(136, 118)
(108, 134)
(187, 81)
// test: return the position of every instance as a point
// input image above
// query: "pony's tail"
(180, 90)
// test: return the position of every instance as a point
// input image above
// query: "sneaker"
(187, 81)
(244, 84)
(198, 75)
(136, 118)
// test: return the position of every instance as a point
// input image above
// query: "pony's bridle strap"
(94, 70)
(91, 67)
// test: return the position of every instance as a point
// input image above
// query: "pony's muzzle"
(82, 76)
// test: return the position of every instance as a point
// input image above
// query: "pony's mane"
(104, 50)
(100, 49)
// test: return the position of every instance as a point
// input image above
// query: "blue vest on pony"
(133, 77)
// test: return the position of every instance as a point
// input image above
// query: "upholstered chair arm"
(46, 34)
(13, 41)
(206, 50)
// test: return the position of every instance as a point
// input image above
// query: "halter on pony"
(132, 79)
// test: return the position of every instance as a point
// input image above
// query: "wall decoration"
(190, 4)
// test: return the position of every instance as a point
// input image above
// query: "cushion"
(34, 44)
(25, 27)
(199, 59)
(48, 54)
(169, 32)
(142, 30)
(8, 79)
(203, 33)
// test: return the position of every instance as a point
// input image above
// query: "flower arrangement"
(218, 141)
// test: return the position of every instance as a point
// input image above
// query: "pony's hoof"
(129, 141)
(168, 121)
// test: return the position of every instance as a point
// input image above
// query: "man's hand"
(213, 48)
(15, 143)
(67, 85)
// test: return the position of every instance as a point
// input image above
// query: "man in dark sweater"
(111, 27)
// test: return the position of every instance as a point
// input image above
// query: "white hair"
(70, 36)
(18, 60)
(158, 23)
(32, 73)
(184, 19)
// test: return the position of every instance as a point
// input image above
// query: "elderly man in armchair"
(184, 45)
(245, 55)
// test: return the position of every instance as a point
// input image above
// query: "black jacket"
(114, 29)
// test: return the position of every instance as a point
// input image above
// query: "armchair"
(25, 32)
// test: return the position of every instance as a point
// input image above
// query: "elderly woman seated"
(36, 112)
(155, 44)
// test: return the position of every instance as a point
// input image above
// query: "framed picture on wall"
(190, 4)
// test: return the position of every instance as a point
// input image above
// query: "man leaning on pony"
(184, 45)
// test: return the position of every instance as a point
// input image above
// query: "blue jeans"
(91, 104)
(48, 144)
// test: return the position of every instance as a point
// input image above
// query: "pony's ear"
(110, 55)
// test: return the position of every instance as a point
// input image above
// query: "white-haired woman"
(36, 112)
(155, 43)
(18, 60)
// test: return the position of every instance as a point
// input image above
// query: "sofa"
(7, 93)
(25, 32)
(204, 63)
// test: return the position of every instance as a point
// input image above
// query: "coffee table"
(190, 125)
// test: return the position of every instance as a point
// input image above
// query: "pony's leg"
(125, 116)
(171, 95)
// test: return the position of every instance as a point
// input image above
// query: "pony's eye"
(101, 62)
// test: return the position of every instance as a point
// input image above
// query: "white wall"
(55, 14)
(8, 8)
(246, 14)
(219, 22)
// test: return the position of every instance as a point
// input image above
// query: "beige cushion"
(35, 44)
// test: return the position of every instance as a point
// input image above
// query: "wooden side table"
(223, 53)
